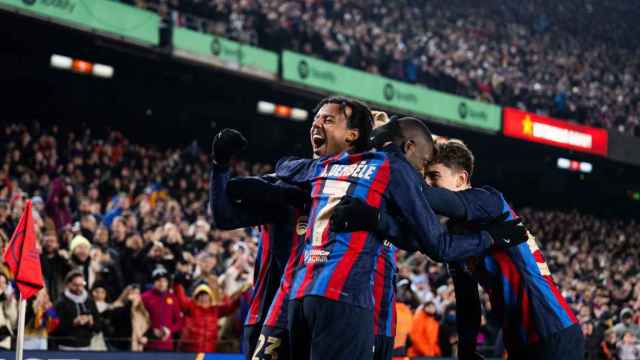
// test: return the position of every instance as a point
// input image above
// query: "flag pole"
(20, 342)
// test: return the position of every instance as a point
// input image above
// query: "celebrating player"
(538, 324)
(331, 288)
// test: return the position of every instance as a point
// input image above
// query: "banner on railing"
(532, 127)
(229, 52)
(101, 15)
(338, 79)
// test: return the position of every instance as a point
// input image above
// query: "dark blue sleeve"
(405, 193)
(230, 215)
(468, 310)
(481, 204)
(398, 234)
(295, 170)
(475, 204)
(445, 202)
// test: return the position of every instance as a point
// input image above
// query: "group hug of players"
(325, 271)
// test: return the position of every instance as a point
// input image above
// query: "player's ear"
(408, 146)
(462, 178)
(352, 136)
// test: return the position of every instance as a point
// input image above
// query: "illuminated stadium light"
(299, 114)
(266, 107)
(574, 165)
(81, 66)
(103, 71)
(61, 62)
(563, 163)
(282, 111)
(586, 167)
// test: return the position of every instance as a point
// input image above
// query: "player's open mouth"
(318, 140)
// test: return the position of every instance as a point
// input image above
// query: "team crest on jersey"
(316, 256)
(301, 225)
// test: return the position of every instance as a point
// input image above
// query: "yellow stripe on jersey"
(533, 247)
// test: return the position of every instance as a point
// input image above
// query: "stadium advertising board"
(229, 52)
(527, 126)
(334, 78)
(108, 355)
(101, 15)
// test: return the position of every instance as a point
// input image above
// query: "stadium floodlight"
(61, 62)
(266, 108)
(81, 66)
(103, 71)
(574, 165)
(299, 114)
(586, 167)
(282, 111)
(564, 163)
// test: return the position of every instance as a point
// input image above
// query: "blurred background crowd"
(132, 262)
(565, 59)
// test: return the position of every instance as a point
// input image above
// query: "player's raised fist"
(227, 143)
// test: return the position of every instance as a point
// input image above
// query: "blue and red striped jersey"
(522, 291)
(277, 315)
(340, 266)
(384, 291)
(277, 245)
(279, 234)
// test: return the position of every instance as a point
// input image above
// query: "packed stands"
(118, 216)
(564, 59)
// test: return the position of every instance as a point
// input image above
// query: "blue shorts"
(383, 349)
(567, 344)
(325, 329)
(250, 337)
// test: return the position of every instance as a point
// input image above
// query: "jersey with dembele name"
(339, 266)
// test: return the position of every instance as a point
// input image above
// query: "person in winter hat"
(200, 332)
(79, 318)
(164, 312)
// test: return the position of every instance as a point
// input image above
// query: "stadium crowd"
(131, 261)
(564, 59)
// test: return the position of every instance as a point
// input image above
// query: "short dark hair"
(398, 130)
(360, 118)
(410, 125)
(454, 154)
